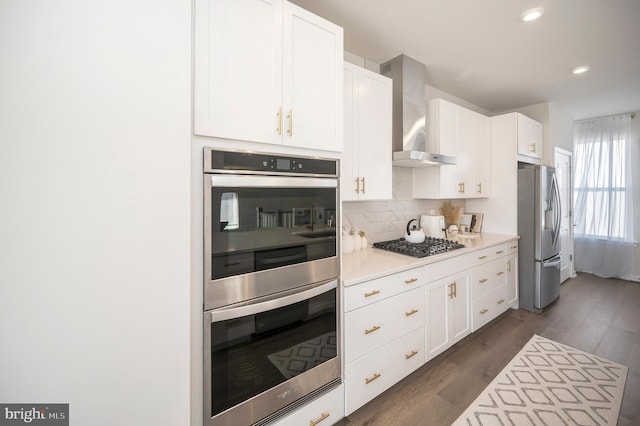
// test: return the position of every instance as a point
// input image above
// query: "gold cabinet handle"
(371, 293)
(411, 355)
(290, 129)
(410, 280)
(484, 311)
(480, 188)
(357, 185)
(500, 301)
(461, 187)
(483, 280)
(513, 247)
(372, 329)
(455, 289)
(279, 114)
(411, 312)
(500, 252)
(500, 273)
(533, 147)
(482, 257)
(509, 265)
(363, 186)
(450, 291)
(369, 380)
(323, 416)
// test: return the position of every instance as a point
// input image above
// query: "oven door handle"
(226, 181)
(271, 302)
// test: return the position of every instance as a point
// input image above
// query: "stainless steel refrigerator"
(539, 229)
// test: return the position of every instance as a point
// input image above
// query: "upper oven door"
(265, 234)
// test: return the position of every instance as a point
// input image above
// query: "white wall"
(94, 182)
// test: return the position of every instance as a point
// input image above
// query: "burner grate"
(429, 247)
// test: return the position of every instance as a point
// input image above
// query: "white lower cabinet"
(448, 312)
(384, 322)
(394, 324)
(494, 284)
(377, 371)
(325, 410)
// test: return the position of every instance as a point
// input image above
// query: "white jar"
(364, 243)
(347, 243)
(357, 241)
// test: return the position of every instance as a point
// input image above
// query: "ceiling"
(481, 52)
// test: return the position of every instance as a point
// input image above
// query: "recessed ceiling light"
(581, 69)
(532, 14)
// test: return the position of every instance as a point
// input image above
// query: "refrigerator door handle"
(557, 211)
(554, 261)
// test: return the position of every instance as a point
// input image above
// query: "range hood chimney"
(409, 114)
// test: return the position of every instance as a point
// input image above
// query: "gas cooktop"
(429, 247)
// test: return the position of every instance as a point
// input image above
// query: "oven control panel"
(216, 161)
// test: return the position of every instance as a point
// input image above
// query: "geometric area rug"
(301, 357)
(548, 383)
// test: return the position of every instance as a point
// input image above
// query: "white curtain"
(603, 196)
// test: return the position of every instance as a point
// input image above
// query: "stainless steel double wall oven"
(271, 266)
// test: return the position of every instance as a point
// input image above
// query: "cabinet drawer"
(489, 306)
(487, 277)
(373, 326)
(381, 288)
(512, 247)
(488, 254)
(325, 410)
(438, 270)
(374, 373)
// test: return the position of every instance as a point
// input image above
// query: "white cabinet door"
(448, 312)
(238, 73)
(366, 172)
(529, 137)
(461, 133)
(279, 83)
(459, 313)
(482, 157)
(312, 80)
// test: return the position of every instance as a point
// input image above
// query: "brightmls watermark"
(34, 414)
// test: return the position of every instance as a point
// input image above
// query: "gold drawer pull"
(372, 329)
(411, 312)
(500, 301)
(411, 355)
(375, 376)
(513, 247)
(410, 280)
(500, 273)
(482, 257)
(290, 129)
(484, 280)
(363, 186)
(484, 311)
(372, 293)
(500, 252)
(322, 417)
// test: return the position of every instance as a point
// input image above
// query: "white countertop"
(371, 263)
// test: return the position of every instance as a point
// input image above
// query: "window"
(603, 188)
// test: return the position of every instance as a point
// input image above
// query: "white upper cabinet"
(529, 139)
(464, 134)
(267, 71)
(366, 171)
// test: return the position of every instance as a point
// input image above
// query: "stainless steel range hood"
(409, 114)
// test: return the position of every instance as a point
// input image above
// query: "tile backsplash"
(387, 220)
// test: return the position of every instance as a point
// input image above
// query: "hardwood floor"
(596, 315)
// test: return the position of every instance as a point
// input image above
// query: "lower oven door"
(261, 356)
